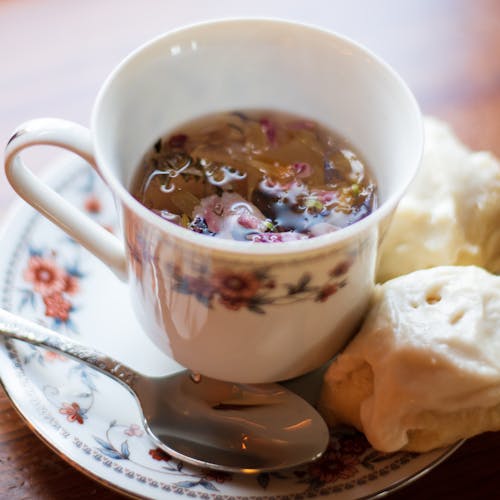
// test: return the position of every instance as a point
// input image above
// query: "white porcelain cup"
(233, 310)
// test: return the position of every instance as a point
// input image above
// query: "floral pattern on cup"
(256, 289)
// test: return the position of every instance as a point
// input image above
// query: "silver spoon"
(205, 422)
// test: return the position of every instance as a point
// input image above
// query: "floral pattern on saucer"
(95, 423)
(47, 281)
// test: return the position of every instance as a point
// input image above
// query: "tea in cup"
(245, 282)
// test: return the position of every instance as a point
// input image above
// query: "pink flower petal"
(269, 129)
(277, 237)
(302, 170)
(228, 213)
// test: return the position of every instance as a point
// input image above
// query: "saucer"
(93, 422)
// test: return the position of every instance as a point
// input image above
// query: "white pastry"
(451, 212)
(424, 371)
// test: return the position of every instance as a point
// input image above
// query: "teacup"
(232, 310)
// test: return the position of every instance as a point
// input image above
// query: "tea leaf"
(185, 221)
(241, 115)
(235, 127)
(184, 201)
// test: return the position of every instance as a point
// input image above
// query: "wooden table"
(54, 54)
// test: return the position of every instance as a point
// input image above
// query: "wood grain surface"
(54, 54)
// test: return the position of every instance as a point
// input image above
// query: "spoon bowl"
(202, 421)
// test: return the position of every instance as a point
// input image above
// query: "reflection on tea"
(259, 176)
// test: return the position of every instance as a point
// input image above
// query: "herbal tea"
(257, 176)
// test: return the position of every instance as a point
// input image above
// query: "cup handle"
(77, 139)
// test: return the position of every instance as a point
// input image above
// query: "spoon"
(202, 421)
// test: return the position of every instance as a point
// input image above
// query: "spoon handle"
(15, 327)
